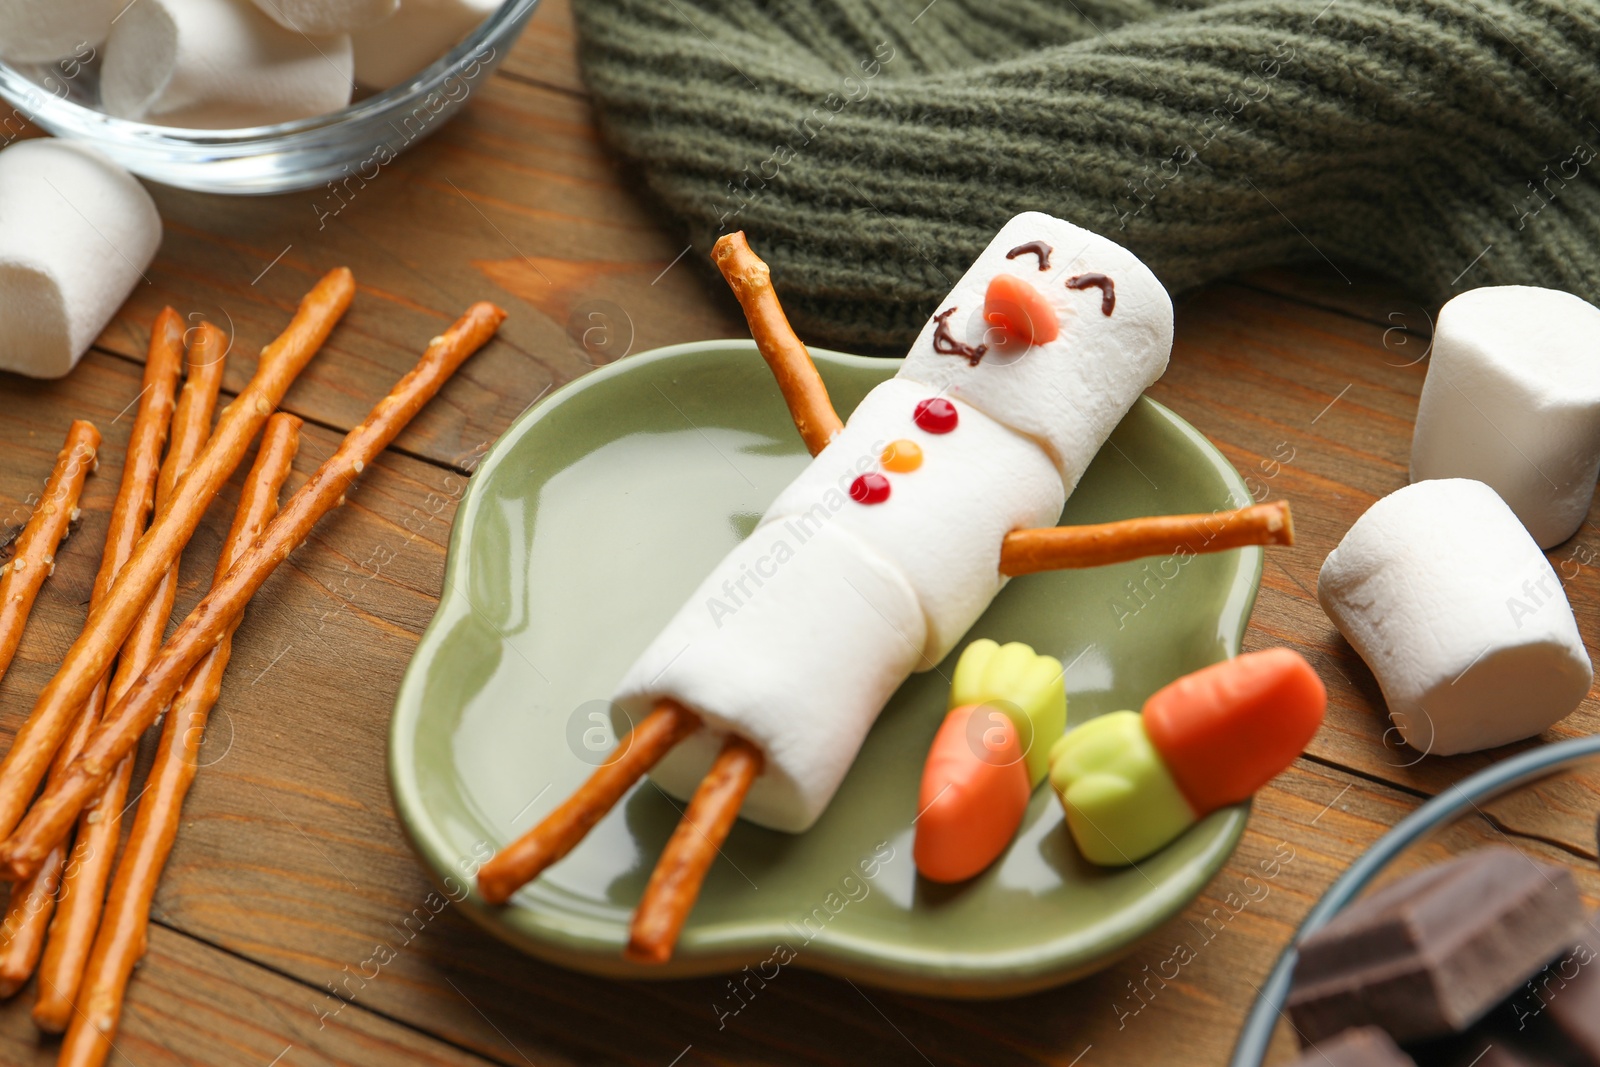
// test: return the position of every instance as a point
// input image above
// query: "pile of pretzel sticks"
(78, 912)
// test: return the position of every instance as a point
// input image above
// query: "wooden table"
(291, 869)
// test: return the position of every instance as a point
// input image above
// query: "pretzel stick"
(33, 900)
(62, 800)
(130, 514)
(1067, 547)
(120, 943)
(100, 827)
(36, 743)
(35, 556)
(675, 883)
(798, 380)
(559, 833)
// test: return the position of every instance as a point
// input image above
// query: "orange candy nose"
(1228, 729)
(1020, 310)
(974, 794)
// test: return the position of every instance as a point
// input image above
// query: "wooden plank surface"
(291, 879)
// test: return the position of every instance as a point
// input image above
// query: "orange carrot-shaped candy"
(974, 793)
(1229, 729)
(1131, 783)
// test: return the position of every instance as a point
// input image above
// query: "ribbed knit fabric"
(870, 148)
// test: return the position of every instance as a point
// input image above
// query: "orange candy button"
(974, 794)
(902, 456)
(1228, 729)
(1020, 310)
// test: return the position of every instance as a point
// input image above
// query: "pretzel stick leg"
(83, 889)
(35, 556)
(109, 623)
(116, 736)
(675, 883)
(559, 833)
(791, 364)
(121, 940)
(1067, 547)
(33, 901)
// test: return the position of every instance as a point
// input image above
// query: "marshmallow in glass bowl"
(219, 64)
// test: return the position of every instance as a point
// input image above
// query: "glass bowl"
(354, 142)
(1542, 802)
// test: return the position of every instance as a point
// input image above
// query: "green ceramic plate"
(584, 529)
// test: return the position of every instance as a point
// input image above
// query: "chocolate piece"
(1561, 1006)
(1551, 1020)
(1474, 1050)
(1364, 1046)
(1430, 954)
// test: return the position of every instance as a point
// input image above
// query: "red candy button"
(935, 415)
(870, 489)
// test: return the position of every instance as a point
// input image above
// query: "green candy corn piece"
(1121, 801)
(1028, 687)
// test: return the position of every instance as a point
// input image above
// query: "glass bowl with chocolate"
(1466, 936)
(248, 96)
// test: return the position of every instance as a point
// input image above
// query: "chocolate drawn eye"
(1108, 289)
(1038, 248)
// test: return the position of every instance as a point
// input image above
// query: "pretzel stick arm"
(62, 800)
(801, 385)
(675, 883)
(559, 832)
(1067, 547)
(36, 743)
(83, 887)
(35, 556)
(122, 936)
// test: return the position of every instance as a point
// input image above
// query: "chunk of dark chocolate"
(1550, 1021)
(1570, 997)
(1364, 1046)
(1430, 954)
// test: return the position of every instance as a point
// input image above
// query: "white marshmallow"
(1068, 394)
(419, 33)
(943, 522)
(1512, 399)
(76, 233)
(38, 31)
(800, 665)
(1464, 624)
(323, 17)
(219, 64)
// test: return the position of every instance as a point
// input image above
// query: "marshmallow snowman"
(876, 560)
(1463, 622)
(1512, 399)
(219, 64)
(76, 233)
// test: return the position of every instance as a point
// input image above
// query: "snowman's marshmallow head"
(1054, 332)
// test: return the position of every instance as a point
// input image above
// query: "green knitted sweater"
(871, 148)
